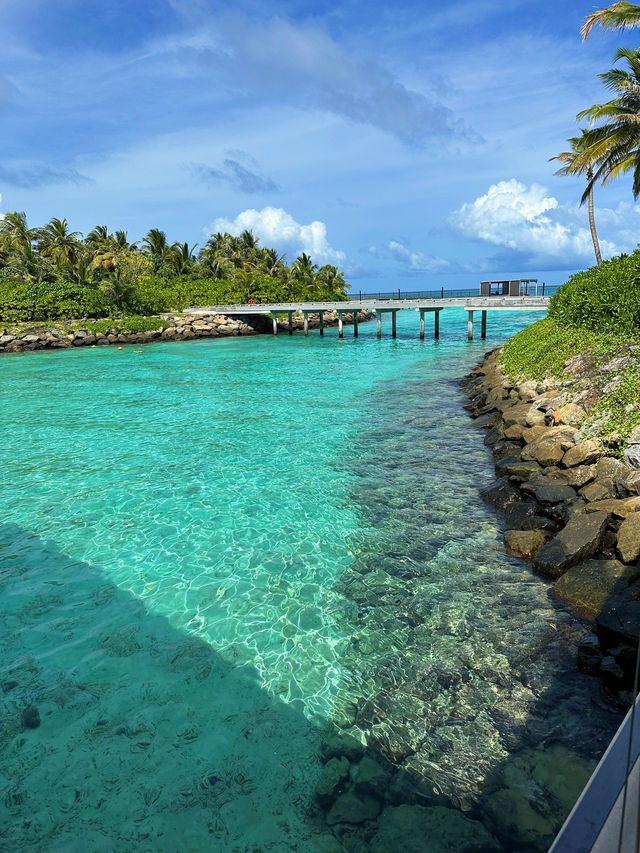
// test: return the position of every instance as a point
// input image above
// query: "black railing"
(443, 293)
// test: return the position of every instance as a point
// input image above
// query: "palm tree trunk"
(592, 226)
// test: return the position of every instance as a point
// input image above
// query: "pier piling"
(275, 322)
(469, 325)
(305, 314)
(340, 327)
(436, 324)
(290, 322)
(393, 324)
(355, 324)
(321, 313)
(483, 325)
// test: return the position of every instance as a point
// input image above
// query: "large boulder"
(550, 447)
(628, 482)
(525, 543)
(578, 541)
(570, 414)
(549, 490)
(500, 494)
(629, 538)
(334, 774)
(586, 588)
(608, 471)
(432, 829)
(583, 453)
(580, 475)
(353, 808)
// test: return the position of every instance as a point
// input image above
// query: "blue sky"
(406, 143)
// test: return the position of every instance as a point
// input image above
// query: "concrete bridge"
(422, 305)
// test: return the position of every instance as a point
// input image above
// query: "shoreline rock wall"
(171, 327)
(571, 509)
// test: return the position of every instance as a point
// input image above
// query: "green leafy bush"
(602, 299)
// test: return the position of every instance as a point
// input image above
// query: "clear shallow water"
(212, 553)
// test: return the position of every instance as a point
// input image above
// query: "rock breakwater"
(170, 327)
(572, 508)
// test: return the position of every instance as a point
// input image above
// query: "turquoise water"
(215, 554)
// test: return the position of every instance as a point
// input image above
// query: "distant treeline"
(51, 273)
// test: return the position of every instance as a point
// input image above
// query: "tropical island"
(258, 596)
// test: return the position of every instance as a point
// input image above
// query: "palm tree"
(156, 246)
(58, 244)
(181, 257)
(574, 166)
(98, 237)
(14, 229)
(121, 241)
(613, 148)
(617, 16)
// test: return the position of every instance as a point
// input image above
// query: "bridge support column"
(305, 314)
(469, 325)
(379, 319)
(436, 324)
(275, 322)
(483, 325)
(422, 324)
(321, 314)
(340, 326)
(290, 322)
(393, 324)
(355, 323)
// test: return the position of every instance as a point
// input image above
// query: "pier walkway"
(422, 305)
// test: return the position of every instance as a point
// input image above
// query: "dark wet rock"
(548, 490)
(489, 419)
(396, 724)
(506, 448)
(629, 538)
(518, 515)
(525, 543)
(494, 435)
(8, 686)
(30, 717)
(343, 744)
(536, 790)
(619, 621)
(589, 653)
(371, 778)
(353, 808)
(516, 469)
(576, 542)
(334, 774)
(500, 494)
(586, 588)
(436, 829)
(611, 669)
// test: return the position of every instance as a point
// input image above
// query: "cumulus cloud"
(32, 177)
(417, 260)
(528, 221)
(236, 175)
(275, 227)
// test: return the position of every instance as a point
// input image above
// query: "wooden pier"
(471, 305)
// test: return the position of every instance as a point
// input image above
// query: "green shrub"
(602, 299)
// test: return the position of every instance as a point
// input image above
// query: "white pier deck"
(470, 304)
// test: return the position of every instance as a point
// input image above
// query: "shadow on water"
(478, 705)
(147, 740)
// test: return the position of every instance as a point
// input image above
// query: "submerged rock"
(429, 829)
(353, 808)
(525, 543)
(30, 717)
(334, 774)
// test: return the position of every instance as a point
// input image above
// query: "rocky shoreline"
(171, 327)
(571, 508)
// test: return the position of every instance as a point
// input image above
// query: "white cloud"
(527, 220)
(416, 260)
(275, 227)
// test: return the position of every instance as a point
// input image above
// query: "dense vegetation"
(593, 319)
(53, 273)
